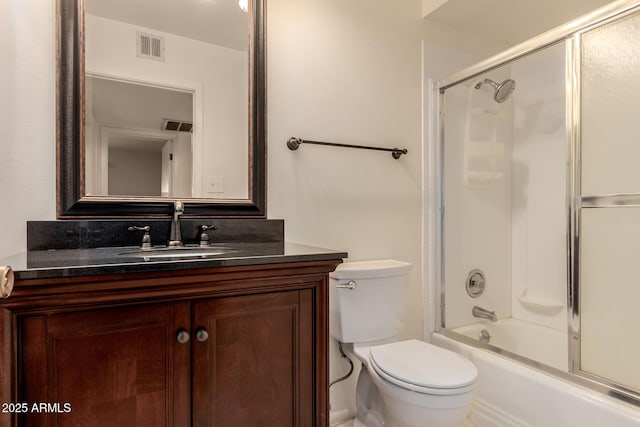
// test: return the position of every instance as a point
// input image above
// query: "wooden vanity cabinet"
(255, 368)
(234, 346)
(112, 367)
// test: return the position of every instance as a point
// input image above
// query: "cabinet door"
(255, 367)
(113, 367)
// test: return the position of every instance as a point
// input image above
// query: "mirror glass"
(166, 99)
(158, 101)
(126, 152)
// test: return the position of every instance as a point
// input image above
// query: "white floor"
(467, 423)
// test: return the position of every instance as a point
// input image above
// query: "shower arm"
(486, 82)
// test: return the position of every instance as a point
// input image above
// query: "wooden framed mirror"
(90, 137)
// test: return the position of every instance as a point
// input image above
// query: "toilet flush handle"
(351, 284)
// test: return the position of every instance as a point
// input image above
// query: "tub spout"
(483, 313)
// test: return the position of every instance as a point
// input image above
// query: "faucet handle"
(204, 237)
(146, 238)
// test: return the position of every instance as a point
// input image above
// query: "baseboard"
(484, 414)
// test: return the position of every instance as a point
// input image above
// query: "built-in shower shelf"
(539, 305)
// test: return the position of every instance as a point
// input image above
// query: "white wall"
(220, 74)
(27, 108)
(134, 173)
(429, 6)
(454, 49)
(348, 72)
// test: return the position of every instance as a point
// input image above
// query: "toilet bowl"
(407, 383)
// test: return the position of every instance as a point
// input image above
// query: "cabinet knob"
(182, 336)
(202, 335)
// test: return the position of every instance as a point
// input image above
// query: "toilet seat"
(423, 368)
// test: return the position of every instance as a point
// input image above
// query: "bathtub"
(542, 344)
(512, 394)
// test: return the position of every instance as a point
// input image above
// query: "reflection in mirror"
(138, 139)
(149, 62)
(203, 49)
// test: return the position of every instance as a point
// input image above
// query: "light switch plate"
(215, 184)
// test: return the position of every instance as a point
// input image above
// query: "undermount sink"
(177, 252)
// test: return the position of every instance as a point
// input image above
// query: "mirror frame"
(71, 202)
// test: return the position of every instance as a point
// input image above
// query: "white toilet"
(402, 383)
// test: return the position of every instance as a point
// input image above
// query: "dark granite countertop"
(43, 264)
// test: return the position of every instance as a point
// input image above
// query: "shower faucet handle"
(476, 283)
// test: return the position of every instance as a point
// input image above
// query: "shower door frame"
(570, 34)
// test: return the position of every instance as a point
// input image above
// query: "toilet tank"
(373, 306)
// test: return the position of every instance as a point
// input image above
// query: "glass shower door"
(609, 233)
(504, 198)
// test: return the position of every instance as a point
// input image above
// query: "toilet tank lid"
(371, 269)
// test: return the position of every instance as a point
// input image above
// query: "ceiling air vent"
(177, 125)
(150, 46)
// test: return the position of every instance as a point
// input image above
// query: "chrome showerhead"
(502, 90)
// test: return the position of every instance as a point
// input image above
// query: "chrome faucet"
(175, 236)
(483, 313)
